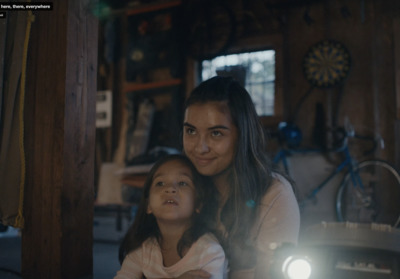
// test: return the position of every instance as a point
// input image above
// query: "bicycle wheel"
(376, 201)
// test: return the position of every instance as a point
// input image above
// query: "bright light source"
(296, 268)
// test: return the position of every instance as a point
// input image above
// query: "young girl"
(171, 235)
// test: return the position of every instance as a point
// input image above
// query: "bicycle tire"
(377, 202)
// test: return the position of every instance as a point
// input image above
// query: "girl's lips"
(171, 202)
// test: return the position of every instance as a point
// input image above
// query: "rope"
(19, 221)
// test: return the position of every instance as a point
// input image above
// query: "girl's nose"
(171, 188)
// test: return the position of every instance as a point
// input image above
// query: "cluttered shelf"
(134, 176)
(136, 180)
(158, 5)
(131, 86)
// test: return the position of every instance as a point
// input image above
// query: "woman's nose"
(201, 145)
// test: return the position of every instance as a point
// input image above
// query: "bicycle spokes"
(370, 193)
(363, 206)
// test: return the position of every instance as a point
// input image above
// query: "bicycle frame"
(348, 162)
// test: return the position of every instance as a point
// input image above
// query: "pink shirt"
(278, 222)
(206, 254)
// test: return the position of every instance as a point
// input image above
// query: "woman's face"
(209, 137)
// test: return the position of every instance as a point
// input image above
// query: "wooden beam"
(396, 54)
(60, 139)
(3, 33)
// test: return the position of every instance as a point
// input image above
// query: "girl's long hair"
(251, 171)
(145, 225)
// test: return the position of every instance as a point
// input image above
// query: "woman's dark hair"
(145, 225)
(251, 169)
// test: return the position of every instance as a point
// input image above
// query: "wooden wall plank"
(60, 139)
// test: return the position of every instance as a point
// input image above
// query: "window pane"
(255, 70)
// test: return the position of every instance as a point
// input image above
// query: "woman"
(258, 211)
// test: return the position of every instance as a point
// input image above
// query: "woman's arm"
(279, 224)
(195, 274)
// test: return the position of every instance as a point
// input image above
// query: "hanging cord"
(19, 221)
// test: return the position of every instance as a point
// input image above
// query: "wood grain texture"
(60, 140)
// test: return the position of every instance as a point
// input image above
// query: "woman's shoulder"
(280, 189)
(279, 185)
(280, 181)
(278, 211)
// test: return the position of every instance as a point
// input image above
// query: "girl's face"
(209, 137)
(172, 196)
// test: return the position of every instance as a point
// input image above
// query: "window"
(255, 70)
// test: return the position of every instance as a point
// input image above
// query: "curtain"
(11, 56)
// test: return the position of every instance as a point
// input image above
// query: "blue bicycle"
(369, 191)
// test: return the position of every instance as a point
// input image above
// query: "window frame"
(265, 42)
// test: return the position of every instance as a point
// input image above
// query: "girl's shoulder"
(149, 246)
(150, 241)
(207, 239)
(206, 248)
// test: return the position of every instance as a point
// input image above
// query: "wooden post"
(396, 54)
(59, 142)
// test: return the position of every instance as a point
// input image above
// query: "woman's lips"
(203, 161)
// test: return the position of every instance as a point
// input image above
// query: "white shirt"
(205, 254)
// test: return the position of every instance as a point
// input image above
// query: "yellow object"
(19, 221)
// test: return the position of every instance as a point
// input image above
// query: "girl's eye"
(159, 183)
(183, 183)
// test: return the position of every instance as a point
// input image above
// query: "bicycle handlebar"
(339, 136)
(345, 133)
(370, 139)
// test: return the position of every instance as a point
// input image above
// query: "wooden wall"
(369, 96)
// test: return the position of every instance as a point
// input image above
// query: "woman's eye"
(216, 133)
(159, 183)
(183, 183)
(190, 131)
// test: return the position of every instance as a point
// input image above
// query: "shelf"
(130, 86)
(136, 181)
(153, 7)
